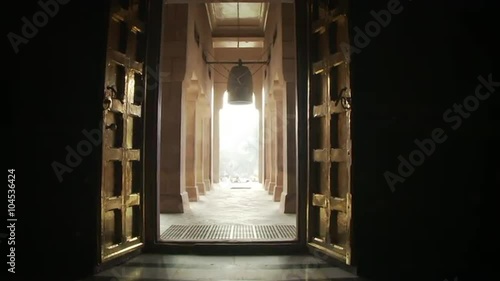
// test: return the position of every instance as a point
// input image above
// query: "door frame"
(151, 148)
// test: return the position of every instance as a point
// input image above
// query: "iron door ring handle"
(107, 103)
(346, 103)
(112, 127)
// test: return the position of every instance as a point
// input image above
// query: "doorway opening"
(180, 155)
(239, 145)
(227, 172)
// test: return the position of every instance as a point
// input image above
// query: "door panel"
(122, 186)
(330, 187)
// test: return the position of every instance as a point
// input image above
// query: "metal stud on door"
(121, 189)
(330, 200)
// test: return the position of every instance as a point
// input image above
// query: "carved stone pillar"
(189, 148)
(199, 143)
(288, 202)
(257, 88)
(267, 145)
(280, 123)
(207, 150)
(273, 144)
(172, 194)
(219, 89)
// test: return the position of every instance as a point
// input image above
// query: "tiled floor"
(223, 205)
(219, 268)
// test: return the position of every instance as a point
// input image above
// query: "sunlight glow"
(239, 141)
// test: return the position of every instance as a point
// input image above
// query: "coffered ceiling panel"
(237, 19)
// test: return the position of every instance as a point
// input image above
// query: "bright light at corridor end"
(238, 107)
(239, 140)
(236, 119)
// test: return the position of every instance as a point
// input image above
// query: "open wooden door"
(329, 195)
(122, 212)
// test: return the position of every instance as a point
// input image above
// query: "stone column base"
(201, 188)
(278, 190)
(193, 194)
(208, 186)
(266, 184)
(288, 204)
(272, 186)
(174, 203)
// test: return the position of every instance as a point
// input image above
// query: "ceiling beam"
(232, 42)
(233, 32)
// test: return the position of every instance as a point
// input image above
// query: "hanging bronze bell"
(240, 85)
